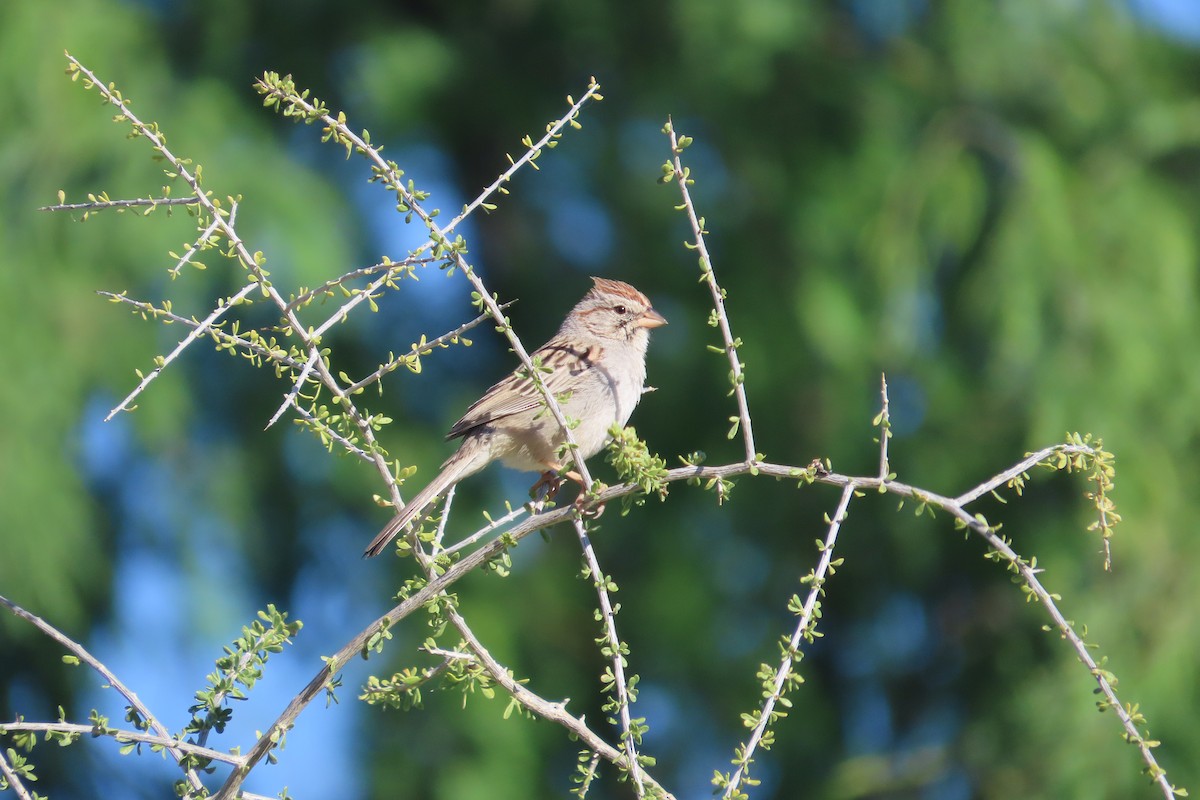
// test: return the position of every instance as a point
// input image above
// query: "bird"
(594, 366)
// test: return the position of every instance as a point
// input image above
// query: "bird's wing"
(517, 393)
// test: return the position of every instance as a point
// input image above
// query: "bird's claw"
(587, 508)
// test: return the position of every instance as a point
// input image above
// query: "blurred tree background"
(993, 203)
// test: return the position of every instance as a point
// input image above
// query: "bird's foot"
(588, 509)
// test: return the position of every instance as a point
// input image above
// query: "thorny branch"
(510, 538)
(675, 170)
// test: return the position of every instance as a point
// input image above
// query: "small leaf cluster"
(238, 671)
(281, 94)
(458, 670)
(401, 691)
(668, 167)
(716, 483)
(1087, 454)
(585, 772)
(635, 464)
(469, 676)
(210, 237)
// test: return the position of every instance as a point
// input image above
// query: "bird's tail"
(452, 472)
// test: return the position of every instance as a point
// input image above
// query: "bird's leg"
(547, 486)
(545, 490)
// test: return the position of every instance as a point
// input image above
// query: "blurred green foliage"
(993, 203)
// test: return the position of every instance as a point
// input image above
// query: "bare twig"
(803, 630)
(194, 247)
(200, 199)
(194, 334)
(620, 687)
(737, 374)
(1066, 630)
(123, 737)
(226, 223)
(533, 150)
(485, 530)
(553, 712)
(140, 202)
(250, 346)
(495, 546)
(361, 272)
(283, 357)
(418, 599)
(340, 314)
(422, 349)
(447, 504)
(1020, 468)
(884, 422)
(289, 399)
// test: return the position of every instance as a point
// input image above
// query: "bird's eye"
(620, 310)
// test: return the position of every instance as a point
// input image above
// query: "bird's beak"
(651, 319)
